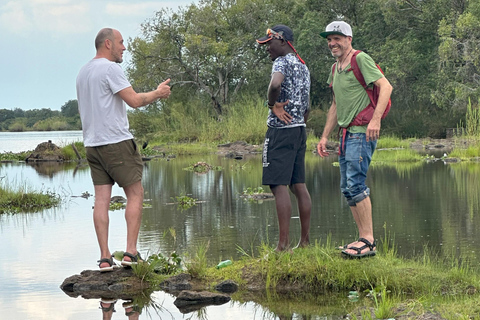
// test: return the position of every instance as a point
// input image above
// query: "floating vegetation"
(202, 167)
(256, 194)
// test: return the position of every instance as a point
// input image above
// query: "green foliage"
(10, 156)
(390, 142)
(165, 265)
(472, 120)
(400, 155)
(44, 119)
(252, 191)
(51, 124)
(70, 109)
(17, 126)
(244, 120)
(185, 202)
(23, 200)
(197, 266)
(69, 153)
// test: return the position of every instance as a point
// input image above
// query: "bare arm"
(136, 100)
(373, 128)
(330, 124)
(273, 92)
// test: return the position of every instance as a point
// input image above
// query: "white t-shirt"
(102, 111)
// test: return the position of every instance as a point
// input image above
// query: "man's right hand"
(322, 147)
(164, 89)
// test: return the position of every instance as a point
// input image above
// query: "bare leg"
(284, 212)
(362, 213)
(304, 208)
(133, 215)
(101, 219)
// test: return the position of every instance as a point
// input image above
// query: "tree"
(208, 50)
(70, 109)
(459, 52)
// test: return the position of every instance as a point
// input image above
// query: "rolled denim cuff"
(352, 202)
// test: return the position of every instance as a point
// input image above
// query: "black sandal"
(106, 260)
(109, 308)
(359, 253)
(134, 259)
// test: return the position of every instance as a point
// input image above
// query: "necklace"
(339, 64)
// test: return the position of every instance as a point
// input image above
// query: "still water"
(422, 204)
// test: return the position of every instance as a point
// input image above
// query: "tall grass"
(243, 120)
(472, 120)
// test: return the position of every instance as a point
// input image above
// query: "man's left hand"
(373, 130)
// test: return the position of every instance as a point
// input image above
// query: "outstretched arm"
(136, 100)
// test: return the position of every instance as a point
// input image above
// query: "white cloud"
(50, 16)
(14, 18)
(139, 9)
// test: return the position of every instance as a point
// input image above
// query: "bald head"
(104, 34)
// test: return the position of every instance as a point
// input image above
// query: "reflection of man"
(358, 142)
(285, 140)
(113, 156)
(108, 308)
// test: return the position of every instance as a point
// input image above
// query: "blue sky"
(44, 43)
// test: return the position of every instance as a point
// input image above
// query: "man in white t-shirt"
(102, 90)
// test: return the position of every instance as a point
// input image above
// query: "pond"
(433, 205)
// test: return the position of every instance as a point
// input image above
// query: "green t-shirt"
(350, 97)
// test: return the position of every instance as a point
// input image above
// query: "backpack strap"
(356, 70)
(333, 72)
(358, 74)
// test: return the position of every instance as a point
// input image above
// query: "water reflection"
(433, 205)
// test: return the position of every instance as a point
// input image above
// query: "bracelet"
(267, 104)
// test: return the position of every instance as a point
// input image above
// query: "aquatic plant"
(24, 200)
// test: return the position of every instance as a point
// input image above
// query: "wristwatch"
(270, 106)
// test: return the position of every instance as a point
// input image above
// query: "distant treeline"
(18, 120)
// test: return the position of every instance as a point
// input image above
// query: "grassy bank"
(381, 287)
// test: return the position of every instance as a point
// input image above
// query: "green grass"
(10, 156)
(398, 155)
(390, 142)
(386, 283)
(23, 200)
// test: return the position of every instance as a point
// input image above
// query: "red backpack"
(364, 117)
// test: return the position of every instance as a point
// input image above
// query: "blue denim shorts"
(354, 162)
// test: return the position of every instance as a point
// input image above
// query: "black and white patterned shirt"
(295, 89)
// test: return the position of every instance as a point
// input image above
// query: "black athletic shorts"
(284, 156)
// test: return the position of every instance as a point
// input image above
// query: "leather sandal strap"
(367, 243)
(134, 258)
(105, 260)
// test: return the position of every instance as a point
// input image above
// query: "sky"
(44, 43)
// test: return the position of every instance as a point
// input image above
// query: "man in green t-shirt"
(359, 142)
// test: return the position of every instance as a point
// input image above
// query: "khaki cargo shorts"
(118, 162)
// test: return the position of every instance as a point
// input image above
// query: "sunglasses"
(274, 34)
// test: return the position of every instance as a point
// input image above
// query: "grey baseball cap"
(338, 27)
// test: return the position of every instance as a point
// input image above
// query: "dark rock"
(237, 150)
(188, 301)
(227, 286)
(177, 283)
(121, 283)
(118, 199)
